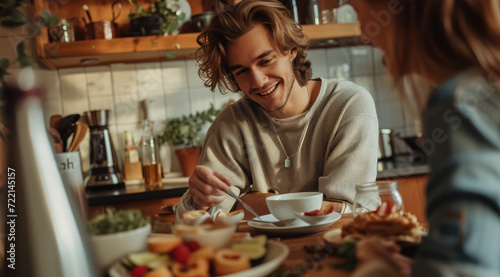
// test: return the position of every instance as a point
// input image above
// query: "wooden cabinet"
(412, 190)
(138, 49)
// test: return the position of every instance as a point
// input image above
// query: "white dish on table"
(298, 227)
(276, 254)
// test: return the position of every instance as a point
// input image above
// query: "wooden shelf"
(156, 48)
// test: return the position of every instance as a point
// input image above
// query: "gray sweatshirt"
(338, 149)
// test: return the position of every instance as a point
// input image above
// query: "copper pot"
(104, 29)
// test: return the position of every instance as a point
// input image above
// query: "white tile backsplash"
(74, 90)
(177, 103)
(149, 78)
(320, 64)
(176, 89)
(201, 98)
(103, 103)
(127, 109)
(49, 79)
(124, 78)
(99, 81)
(194, 81)
(174, 75)
(362, 60)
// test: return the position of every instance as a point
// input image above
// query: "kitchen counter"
(173, 186)
(401, 166)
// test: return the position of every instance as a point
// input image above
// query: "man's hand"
(382, 255)
(208, 187)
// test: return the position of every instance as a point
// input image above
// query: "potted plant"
(162, 18)
(115, 233)
(184, 132)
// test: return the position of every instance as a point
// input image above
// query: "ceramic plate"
(298, 227)
(334, 237)
(276, 254)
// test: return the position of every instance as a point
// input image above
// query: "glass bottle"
(313, 12)
(151, 165)
(369, 196)
(131, 162)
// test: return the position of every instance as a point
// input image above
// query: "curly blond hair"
(230, 24)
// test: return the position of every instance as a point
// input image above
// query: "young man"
(288, 133)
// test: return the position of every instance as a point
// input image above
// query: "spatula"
(80, 132)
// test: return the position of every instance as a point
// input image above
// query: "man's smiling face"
(263, 74)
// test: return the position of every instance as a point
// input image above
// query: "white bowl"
(110, 248)
(218, 237)
(283, 206)
(232, 218)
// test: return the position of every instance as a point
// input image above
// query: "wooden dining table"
(309, 255)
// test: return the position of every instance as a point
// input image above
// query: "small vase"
(188, 159)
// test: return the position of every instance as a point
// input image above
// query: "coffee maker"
(104, 171)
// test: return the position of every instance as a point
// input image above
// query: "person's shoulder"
(345, 88)
(344, 91)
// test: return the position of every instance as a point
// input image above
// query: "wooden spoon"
(54, 120)
(56, 140)
(80, 132)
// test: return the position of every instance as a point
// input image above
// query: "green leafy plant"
(185, 130)
(11, 17)
(112, 221)
(168, 10)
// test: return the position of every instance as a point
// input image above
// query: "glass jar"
(151, 165)
(369, 196)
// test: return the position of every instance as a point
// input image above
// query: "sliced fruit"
(260, 239)
(228, 261)
(255, 252)
(162, 260)
(197, 268)
(313, 213)
(161, 271)
(127, 263)
(181, 253)
(138, 271)
(164, 243)
(206, 252)
(142, 258)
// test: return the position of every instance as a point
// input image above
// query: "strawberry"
(385, 209)
(181, 253)
(315, 212)
(138, 271)
(329, 210)
(193, 245)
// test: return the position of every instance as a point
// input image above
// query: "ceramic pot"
(188, 159)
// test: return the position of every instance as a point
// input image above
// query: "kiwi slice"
(255, 251)
(127, 263)
(142, 258)
(159, 261)
(260, 240)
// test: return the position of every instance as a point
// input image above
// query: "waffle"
(401, 227)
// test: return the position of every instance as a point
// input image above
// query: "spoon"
(231, 193)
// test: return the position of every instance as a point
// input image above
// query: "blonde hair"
(443, 35)
(229, 25)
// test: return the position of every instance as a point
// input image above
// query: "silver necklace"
(287, 160)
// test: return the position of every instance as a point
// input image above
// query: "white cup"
(283, 206)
